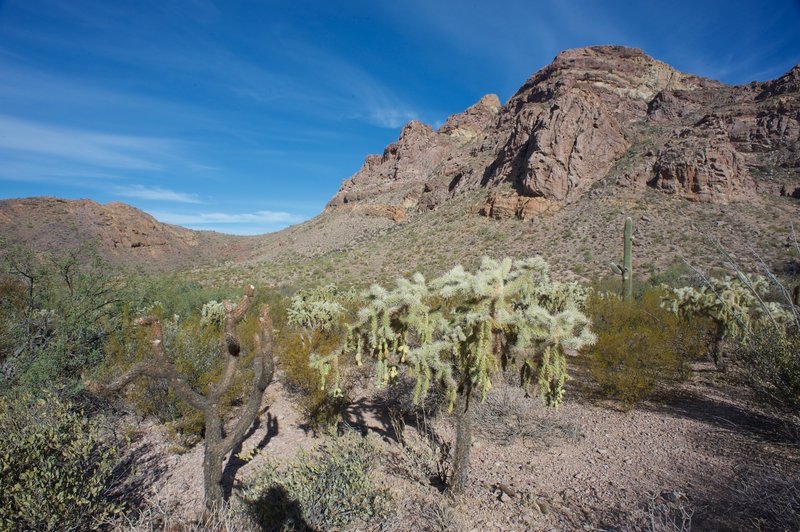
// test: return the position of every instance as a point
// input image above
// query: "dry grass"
(507, 417)
(159, 517)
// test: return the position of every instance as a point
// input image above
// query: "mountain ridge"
(572, 120)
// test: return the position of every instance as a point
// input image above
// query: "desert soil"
(703, 451)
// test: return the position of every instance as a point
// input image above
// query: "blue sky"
(245, 116)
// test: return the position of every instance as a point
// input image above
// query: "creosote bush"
(640, 344)
(324, 490)
(56, 467)
(320, 409)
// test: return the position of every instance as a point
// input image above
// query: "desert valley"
(470, 336)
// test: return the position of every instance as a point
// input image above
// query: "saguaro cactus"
(626, 270)
(217, 442)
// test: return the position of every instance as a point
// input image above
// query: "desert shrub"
(320, 409)
(508, 415)
(56, 467)
(194, 345)
(159, 517)
(668, 511)
(315, 326)
(640, 344)
(175, 294)
(771, 362)
(57, 312)
(677, 274)
(328, 489)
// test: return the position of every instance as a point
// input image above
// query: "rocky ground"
(703, 455)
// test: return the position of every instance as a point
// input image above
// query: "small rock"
(544, 506)
(672, 496)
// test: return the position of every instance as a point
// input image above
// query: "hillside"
(595, 113)
(124, 235)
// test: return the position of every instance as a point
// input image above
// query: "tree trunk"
(460, 476)
(716, 347)
(212, 460)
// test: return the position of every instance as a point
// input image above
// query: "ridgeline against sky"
(245, 117)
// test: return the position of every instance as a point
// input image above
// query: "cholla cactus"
(212, 313)
(315, 309)
(459, 329)
(733, 304)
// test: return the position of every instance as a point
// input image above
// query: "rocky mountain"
(604, 112)
(123, 234)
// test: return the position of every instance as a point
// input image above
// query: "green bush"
(771, 362)
(194, 347)
(57, 312)
(316, 325)
(640, 344)
(326, 490)
(320, 409)
(194, 344)
(56, 468)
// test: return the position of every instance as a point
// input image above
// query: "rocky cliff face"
(575, 120)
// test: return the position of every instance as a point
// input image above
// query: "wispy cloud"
(88, 147)
(156, 193)
(266, 217)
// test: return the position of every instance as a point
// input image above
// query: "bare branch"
(780, 286)
(232, 317)
(263, 372)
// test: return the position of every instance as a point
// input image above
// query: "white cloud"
(267, 217)
(88, 147)
(156, 193)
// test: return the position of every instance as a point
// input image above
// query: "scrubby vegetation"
(640, 345)
(324, 490)
(316, 326)
(56, 313)
(218, 442)
(58, 467)
(474, 344)
(772, 365)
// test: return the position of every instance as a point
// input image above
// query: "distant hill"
(124, 235)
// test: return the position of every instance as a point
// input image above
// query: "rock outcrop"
(573, 121)
(512, 205)
(701, 166)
